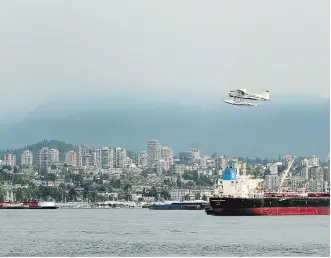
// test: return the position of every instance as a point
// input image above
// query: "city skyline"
(109, 156)
(308, 172)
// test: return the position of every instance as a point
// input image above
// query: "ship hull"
(26, 205)
(12, 208)
(270, 211)
(22, 207)
(269, 206)
(170, 207)
(179, 206)
(47, 208)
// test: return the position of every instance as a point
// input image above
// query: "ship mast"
(285, 175)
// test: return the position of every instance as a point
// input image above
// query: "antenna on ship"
(285, 175)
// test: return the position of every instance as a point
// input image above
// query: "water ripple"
(149, 233)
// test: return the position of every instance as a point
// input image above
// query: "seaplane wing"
(239, 103)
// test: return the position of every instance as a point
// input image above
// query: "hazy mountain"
(292, 125)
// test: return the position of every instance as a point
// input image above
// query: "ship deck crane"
(285, 175)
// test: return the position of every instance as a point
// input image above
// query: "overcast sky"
(57, 47)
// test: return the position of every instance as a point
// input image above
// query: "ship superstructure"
(242, 195)
(233, 185)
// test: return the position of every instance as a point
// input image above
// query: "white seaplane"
(240, 95)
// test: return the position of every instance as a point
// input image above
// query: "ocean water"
(144, 232)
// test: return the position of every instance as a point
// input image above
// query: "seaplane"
(239, 97)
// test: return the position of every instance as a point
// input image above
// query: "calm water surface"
(143, 232)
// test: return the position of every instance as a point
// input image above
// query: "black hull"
(168, 207)
(44, 208)
(12, 208)
(268, 202)
(269, 206)
(229, 212)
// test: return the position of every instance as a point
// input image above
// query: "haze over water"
(143, 232)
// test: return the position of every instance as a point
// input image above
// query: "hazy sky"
(62, 47)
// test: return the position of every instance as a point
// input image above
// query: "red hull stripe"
(279, 211)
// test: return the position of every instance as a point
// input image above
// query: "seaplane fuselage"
(243, 94)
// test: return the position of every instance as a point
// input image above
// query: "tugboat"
(28, 205)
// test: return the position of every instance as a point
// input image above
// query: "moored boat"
(28, 205)
(188, 205)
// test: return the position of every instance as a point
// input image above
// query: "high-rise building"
(167, 154)
(153, 152)
(54, 155)
(27, 158)
(9, 159)
(296, 182)
(94, 158)
(317, 174)
(186, 158)
(44, 157)
(287, 161)
(161, 165)
(242, 168)
(273, 169)
(84, 156)
(305, 170)
(196, 154)
(120, 155)
(305, 163)
(221, 163)
(142, 159)
(105, 158)
(70, 158)
(327, 173)
(233, 163)
(203, 161)
(271, 182)
(314, 161)
(305, 173)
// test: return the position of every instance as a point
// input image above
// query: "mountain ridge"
(270, 129)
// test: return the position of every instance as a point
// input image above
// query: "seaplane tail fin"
(266, 95)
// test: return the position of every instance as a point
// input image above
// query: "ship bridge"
(237, 186)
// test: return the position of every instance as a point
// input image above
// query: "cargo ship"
(28, 205)
(245, 196)
(272, 204)
(188, 205)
